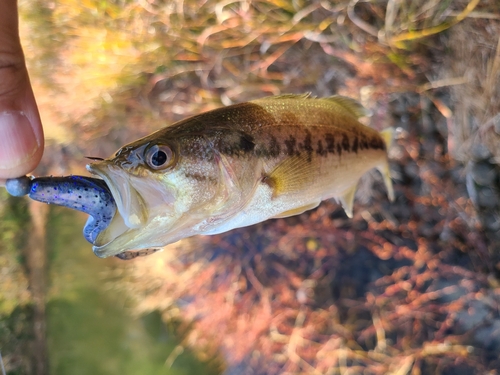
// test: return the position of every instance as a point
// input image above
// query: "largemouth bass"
(237, 166)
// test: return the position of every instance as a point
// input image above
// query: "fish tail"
(388, 136)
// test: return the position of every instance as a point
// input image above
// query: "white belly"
(332, 180)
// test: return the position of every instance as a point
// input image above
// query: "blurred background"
(410, 287)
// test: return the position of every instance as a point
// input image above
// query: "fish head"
(144, 180)
(165, 188)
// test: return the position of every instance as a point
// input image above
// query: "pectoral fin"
(297, 211)
(291, 175)
(347, 200)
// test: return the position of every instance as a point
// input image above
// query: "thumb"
(21, 134)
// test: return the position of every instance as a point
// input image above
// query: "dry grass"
(476, 120)
(193, 56)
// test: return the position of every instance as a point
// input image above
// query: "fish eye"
(159, 157)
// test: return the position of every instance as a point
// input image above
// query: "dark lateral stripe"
(320, 150)
(355, 144)
(337, 145)
(291, 145)
(246, 144)
(377, 143)
(274, 147)
(329, 144)
(308, 144)
(346, 145)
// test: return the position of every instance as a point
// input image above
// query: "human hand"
(21, 134)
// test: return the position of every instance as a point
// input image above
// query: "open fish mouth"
(128, 200)
(86, 194)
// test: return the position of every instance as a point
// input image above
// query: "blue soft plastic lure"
(86, 194)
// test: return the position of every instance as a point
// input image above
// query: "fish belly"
(328, 179)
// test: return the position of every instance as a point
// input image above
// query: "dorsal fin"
(352, 106)
(306, 95)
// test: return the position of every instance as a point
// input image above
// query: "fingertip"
(20, 147)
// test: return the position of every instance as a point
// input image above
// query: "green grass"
(16, 309)
(91, 328)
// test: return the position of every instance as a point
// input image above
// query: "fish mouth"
(140, 201)
(132, 212)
